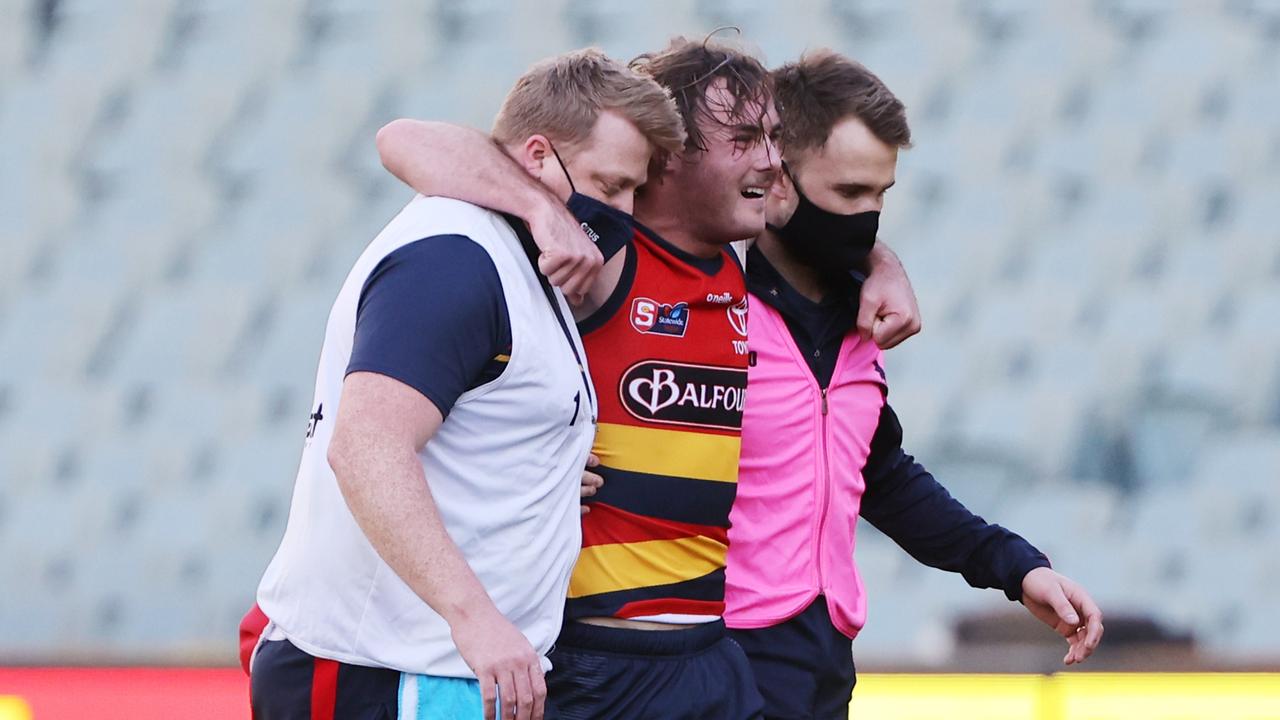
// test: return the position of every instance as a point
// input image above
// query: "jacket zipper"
(826, 495)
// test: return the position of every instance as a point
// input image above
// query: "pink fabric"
(800, 480)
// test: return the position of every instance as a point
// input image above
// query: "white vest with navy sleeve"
(504, 468)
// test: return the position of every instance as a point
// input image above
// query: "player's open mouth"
(753, 193)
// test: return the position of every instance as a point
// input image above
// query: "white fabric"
(504, 469)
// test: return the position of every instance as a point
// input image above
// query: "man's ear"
(535, 154)
(782, 187)
(672, 162)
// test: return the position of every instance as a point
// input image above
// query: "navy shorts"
(803, 667)
(699, 673)
(288, 684)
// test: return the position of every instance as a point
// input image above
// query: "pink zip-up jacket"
(800, 485)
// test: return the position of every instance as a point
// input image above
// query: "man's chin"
(749, 225)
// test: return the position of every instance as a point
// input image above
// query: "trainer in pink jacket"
(792, 538)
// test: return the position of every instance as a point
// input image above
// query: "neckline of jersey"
(707, 266)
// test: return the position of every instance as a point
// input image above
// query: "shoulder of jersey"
(423, 206)
(425, 216)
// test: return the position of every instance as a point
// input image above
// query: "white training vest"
(505, 469)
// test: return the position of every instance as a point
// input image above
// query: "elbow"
(391, 139)
(340, 460)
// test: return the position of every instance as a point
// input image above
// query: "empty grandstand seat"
(273, 237)
(1164, 436)
(1059, 513)
(983, 484)
(182, 332)
(53, 332)
(1038, 427)
(1235, 480)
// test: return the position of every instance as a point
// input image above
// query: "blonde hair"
(562, 97)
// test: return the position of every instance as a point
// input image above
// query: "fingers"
(1073, 648)
(591, 482)
(507, 695)
(557, 267)
(882, 332)
(574, 280)
(1092, 635)
(571, 269)
(562, 278)
(524, 694)
(488, 695)
(1084, 637)
(890, 330)
(1062, 607)
(539, 691)
(561, 269)
(868, 311)
(583, 510)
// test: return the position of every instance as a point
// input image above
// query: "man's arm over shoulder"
(887, 309)
(441, 159)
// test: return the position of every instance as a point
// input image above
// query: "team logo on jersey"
(684, 394)
(655, 318)
(738, 317)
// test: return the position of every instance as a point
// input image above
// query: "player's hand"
(591, 482)
(1062, 604)
(887, 310)
(506, 665)
(569, 258)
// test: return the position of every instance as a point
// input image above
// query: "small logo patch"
(738, 317)
(655, 318)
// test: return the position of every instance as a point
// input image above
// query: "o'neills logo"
(682, 394)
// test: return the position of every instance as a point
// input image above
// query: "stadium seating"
(1087, 214)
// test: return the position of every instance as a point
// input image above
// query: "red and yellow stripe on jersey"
(669, 361)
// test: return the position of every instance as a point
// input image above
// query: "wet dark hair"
(688, 67)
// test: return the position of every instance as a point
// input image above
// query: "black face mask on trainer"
(608, 227)
(824, 240)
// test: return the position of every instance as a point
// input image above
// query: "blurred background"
(1089, 216)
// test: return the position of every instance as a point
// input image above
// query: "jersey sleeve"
(432, 315)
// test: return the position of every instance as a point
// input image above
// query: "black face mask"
(607, 226)
(826, 241)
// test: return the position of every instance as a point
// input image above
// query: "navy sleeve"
(906, 503)
(433, 316)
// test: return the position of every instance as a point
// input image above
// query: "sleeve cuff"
(1029, 562)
